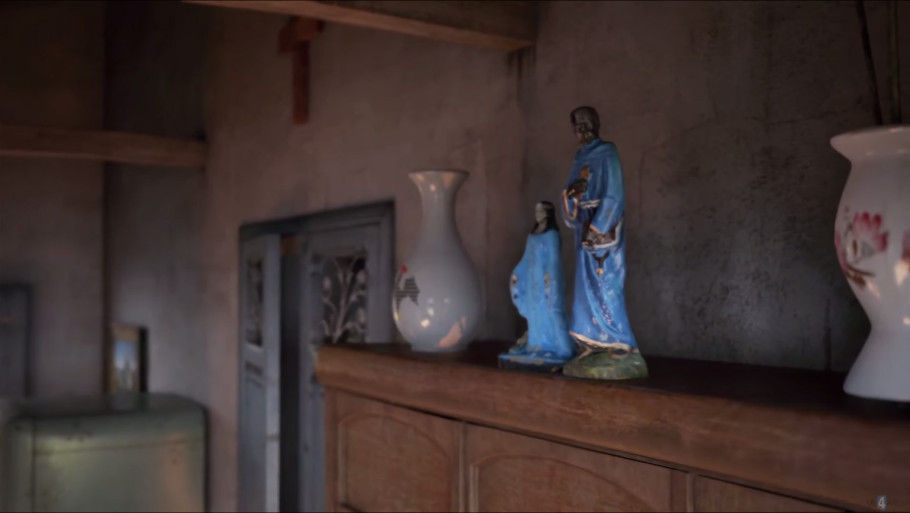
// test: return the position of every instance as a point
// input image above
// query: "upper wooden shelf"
(783, 428)
(494, 24)
(47, 142)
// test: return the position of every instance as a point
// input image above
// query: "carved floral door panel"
(350, 286)
(347, 282)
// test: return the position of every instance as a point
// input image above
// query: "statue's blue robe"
(599, 318)
(538, 291)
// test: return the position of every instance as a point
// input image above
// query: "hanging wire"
(870, 64)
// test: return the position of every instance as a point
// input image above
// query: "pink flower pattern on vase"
(862, 238)
(877, 188)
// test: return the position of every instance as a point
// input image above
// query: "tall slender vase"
(872, 238)
(437, 302)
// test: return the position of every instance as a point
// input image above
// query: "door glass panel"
(344, 283)
(253, 271)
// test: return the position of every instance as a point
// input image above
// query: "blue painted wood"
(294, 480)
(259, 434)
(339, 235)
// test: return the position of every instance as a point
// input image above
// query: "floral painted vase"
(437, 301)
(872, 239)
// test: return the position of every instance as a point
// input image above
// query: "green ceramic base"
(607, 364)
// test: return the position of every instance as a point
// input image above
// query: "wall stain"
(521, 62)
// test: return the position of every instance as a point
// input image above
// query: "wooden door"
(260, 351)
(386, 458)
(346, 293)
(14, 331)
(714, 495)
(511, 472)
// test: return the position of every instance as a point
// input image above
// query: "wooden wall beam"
(30, 141)
(495, 24)
(295, 39)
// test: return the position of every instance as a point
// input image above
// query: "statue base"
(531, 363)
(609, 364)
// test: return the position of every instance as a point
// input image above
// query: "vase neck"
(437, 197)
(877, 143)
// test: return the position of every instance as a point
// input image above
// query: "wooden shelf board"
(48, 142)
(783, 429)
(497, 25)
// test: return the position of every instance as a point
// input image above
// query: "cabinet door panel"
(713, 495)
(510, 472)
(393, 459)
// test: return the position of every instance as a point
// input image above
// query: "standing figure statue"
(538, 291)
(593, 205)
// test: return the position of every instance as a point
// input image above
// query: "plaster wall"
(51, 74)
(722, 112)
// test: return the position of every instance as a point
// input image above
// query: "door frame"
(380, 214)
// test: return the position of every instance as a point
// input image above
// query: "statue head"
(586, 123)
(544, 217)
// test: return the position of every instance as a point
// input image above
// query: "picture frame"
(125, 359)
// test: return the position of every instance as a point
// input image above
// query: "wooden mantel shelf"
(47, 142)
(493, 24)
(789, 431)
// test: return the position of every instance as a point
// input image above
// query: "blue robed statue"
(538, 291)
(593, 206)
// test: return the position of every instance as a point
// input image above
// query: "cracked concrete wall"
(722, 113)
(51, 74)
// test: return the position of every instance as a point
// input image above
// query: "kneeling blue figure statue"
(538, 291)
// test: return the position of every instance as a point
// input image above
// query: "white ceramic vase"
(872, 238)
(437, 302)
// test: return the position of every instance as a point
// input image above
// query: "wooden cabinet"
(713, 495)
(511, 472)
(386, 458)
(417, 432)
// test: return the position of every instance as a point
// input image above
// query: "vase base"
(608, 365)
(880, 371)
(531, 363)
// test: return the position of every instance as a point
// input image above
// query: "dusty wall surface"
(382, 105)
(722, 113)
(51, 74)
(173, 246)
(154, 70)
